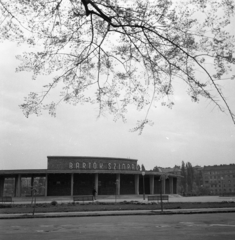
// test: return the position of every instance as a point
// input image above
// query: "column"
(137, 182)
(18, 186)
(171, 185)
(15, 187)
(176, 185)
(46, 180)
(32, 184)
(1, 186)
(96, 183)
(118, 184)
(151, 184)
(163, 185)
(72, 184)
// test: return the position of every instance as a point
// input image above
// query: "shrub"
(54, 203)
(5, 205)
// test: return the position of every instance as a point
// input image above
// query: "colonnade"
(168, 185)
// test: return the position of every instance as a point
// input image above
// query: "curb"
(105, 214)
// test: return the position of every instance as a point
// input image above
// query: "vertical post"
(15, 189)
(176, 185)
(163, 185)
(161, 179)
(171, 185)
(18, 185)
(46, 182)
(1, 186)
(162, 188)
(137, 182)
(143, 173)
(72, 184)
(151, 184)
(32, 185)
(96, 183)
(118, 184)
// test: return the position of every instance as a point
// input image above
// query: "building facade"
(219, 179)
(69, 176)
(175, 170)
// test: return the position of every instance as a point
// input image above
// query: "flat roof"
(94, 157)
(46, 171)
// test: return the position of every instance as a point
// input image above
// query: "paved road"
(177, 227)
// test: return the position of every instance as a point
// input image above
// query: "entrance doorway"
(107, 184)
(83, 184)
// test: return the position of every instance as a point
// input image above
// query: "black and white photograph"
(117, 119)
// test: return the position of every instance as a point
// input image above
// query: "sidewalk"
(116, 213)
(121, 198)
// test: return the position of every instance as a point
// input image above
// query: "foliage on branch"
(120, 53)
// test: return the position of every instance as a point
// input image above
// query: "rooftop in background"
(175, 170)
(222, 166)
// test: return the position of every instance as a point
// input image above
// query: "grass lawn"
(100, 206)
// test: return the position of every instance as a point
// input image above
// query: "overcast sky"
(192, 132)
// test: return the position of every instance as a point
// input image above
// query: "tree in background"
(190, 177)
(142, 167)
(191, 182)
(183, 182)
(202, 190)
(118, 53)
(156, 169)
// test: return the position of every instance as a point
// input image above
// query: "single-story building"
(76, 175)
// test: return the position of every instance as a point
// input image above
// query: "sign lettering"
(103, 166)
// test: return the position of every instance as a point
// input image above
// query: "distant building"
(198, 168)
(219, 179)
(175, 170)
